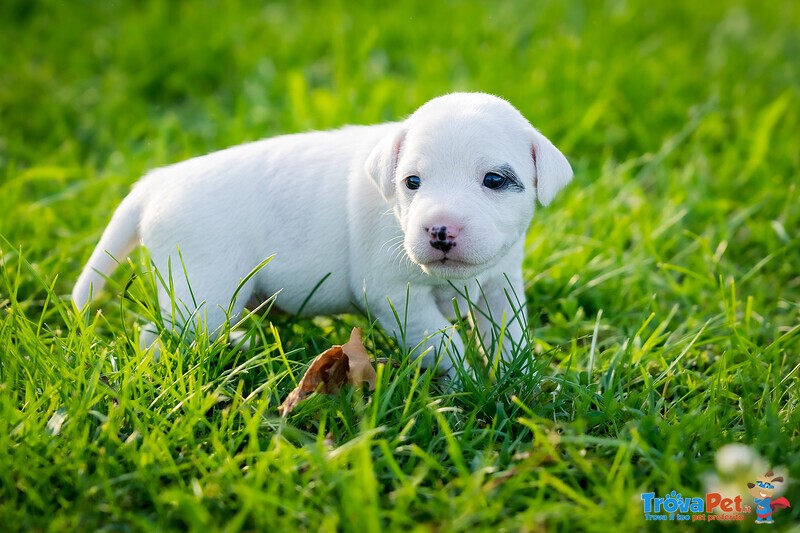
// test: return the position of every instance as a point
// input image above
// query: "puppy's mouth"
(449, 261)
(447, 267)
(459, 261)
(452, 263)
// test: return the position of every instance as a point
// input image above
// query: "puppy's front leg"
(501, 302)
(423, 328)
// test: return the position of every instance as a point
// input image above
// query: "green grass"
(663, 284)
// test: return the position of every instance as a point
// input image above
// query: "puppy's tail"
(119, 238)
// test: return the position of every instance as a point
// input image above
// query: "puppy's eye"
(413, 182)
(494, 181)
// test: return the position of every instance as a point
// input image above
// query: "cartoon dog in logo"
(762, 491)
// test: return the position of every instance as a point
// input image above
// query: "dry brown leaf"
(349, 363)
(360, 367)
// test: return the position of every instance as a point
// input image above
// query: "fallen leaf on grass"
(332, 369)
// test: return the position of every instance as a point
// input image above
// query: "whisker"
(398, 253)
(392, 242)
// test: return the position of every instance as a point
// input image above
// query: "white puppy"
(394, 213)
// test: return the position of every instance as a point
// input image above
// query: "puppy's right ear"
(381, 164)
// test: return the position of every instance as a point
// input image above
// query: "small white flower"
(734, 460)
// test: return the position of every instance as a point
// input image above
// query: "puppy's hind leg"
(148, 340)
(197, 298)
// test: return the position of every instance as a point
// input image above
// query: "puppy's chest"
(456, 295)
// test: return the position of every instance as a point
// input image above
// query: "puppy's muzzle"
(443, 237)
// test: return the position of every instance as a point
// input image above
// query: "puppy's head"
(463, 174)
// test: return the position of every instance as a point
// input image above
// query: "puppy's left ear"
(381, 164)
(552, 168)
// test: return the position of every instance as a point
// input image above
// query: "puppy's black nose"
(443, 237)
(443, 245)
